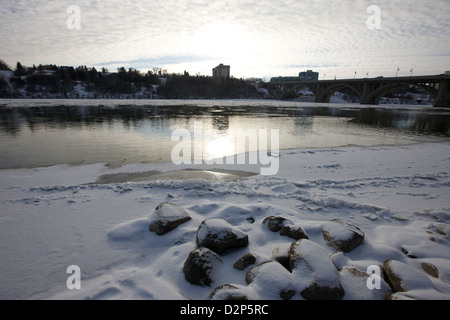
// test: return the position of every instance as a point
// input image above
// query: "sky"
(257, 38)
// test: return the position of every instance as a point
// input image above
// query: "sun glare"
(221, 40)
(218, 147)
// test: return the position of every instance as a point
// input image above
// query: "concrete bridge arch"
(374, 96)
(325, 95)
(297, 88)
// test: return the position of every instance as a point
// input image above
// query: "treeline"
(52, 81)
(61, 81)
(203, 87)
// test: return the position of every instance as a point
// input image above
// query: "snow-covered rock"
(281, 255)
(274, 223)
(410, 283)
(245, 261)
(218, 235)
(199, 266)
(293, 232)
(311, 265)
(354, 282)
(342, 236)
(273, 279)
(168, 216)
(403, 277)
(285, 226)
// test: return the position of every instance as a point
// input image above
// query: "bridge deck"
(411, 79)
(371, 90)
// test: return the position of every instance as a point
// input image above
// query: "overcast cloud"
(257, 38)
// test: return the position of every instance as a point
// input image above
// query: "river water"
(36, 133)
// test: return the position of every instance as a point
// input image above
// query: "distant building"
(285, 79)
(221, 72)
(309, 75)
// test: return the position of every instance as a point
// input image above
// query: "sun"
(221, 39)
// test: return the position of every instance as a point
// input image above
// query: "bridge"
(370, 90)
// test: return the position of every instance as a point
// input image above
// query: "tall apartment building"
(221, 71)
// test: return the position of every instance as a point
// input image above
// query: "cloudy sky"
(258, 38)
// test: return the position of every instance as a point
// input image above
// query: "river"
(35, 133)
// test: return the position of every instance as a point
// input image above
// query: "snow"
(58, 216)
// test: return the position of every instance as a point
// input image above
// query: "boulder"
(274, 223)
(251, 274)
(166, 217)
(339, 259)
(430, 269)
(199, 266)
(320, 292)
(354, 282)
(285, 227)
(218, 235)
(402, 277)
(227, 292)
(342, 236)
(245, 261)
(295, 233)
(310, 263)
(281, 255)
(273, 279)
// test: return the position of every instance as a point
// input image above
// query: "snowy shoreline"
(55, 217)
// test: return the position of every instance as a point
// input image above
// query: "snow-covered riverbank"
(55, 217)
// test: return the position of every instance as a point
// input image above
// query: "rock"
(295, 233)
(320, 292)
(339, 260)
(281, 255)
(402, 277)
(168, 216)
(310, 263)
(273, 279)
(287, 294)
(199, 266)
(352, 278)
(218, 235)
(251, 274)
(274, 223)
(277, 223)
(408, 252)
(342, 235)
(227, 292)
(430, 269)
(245, 261)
